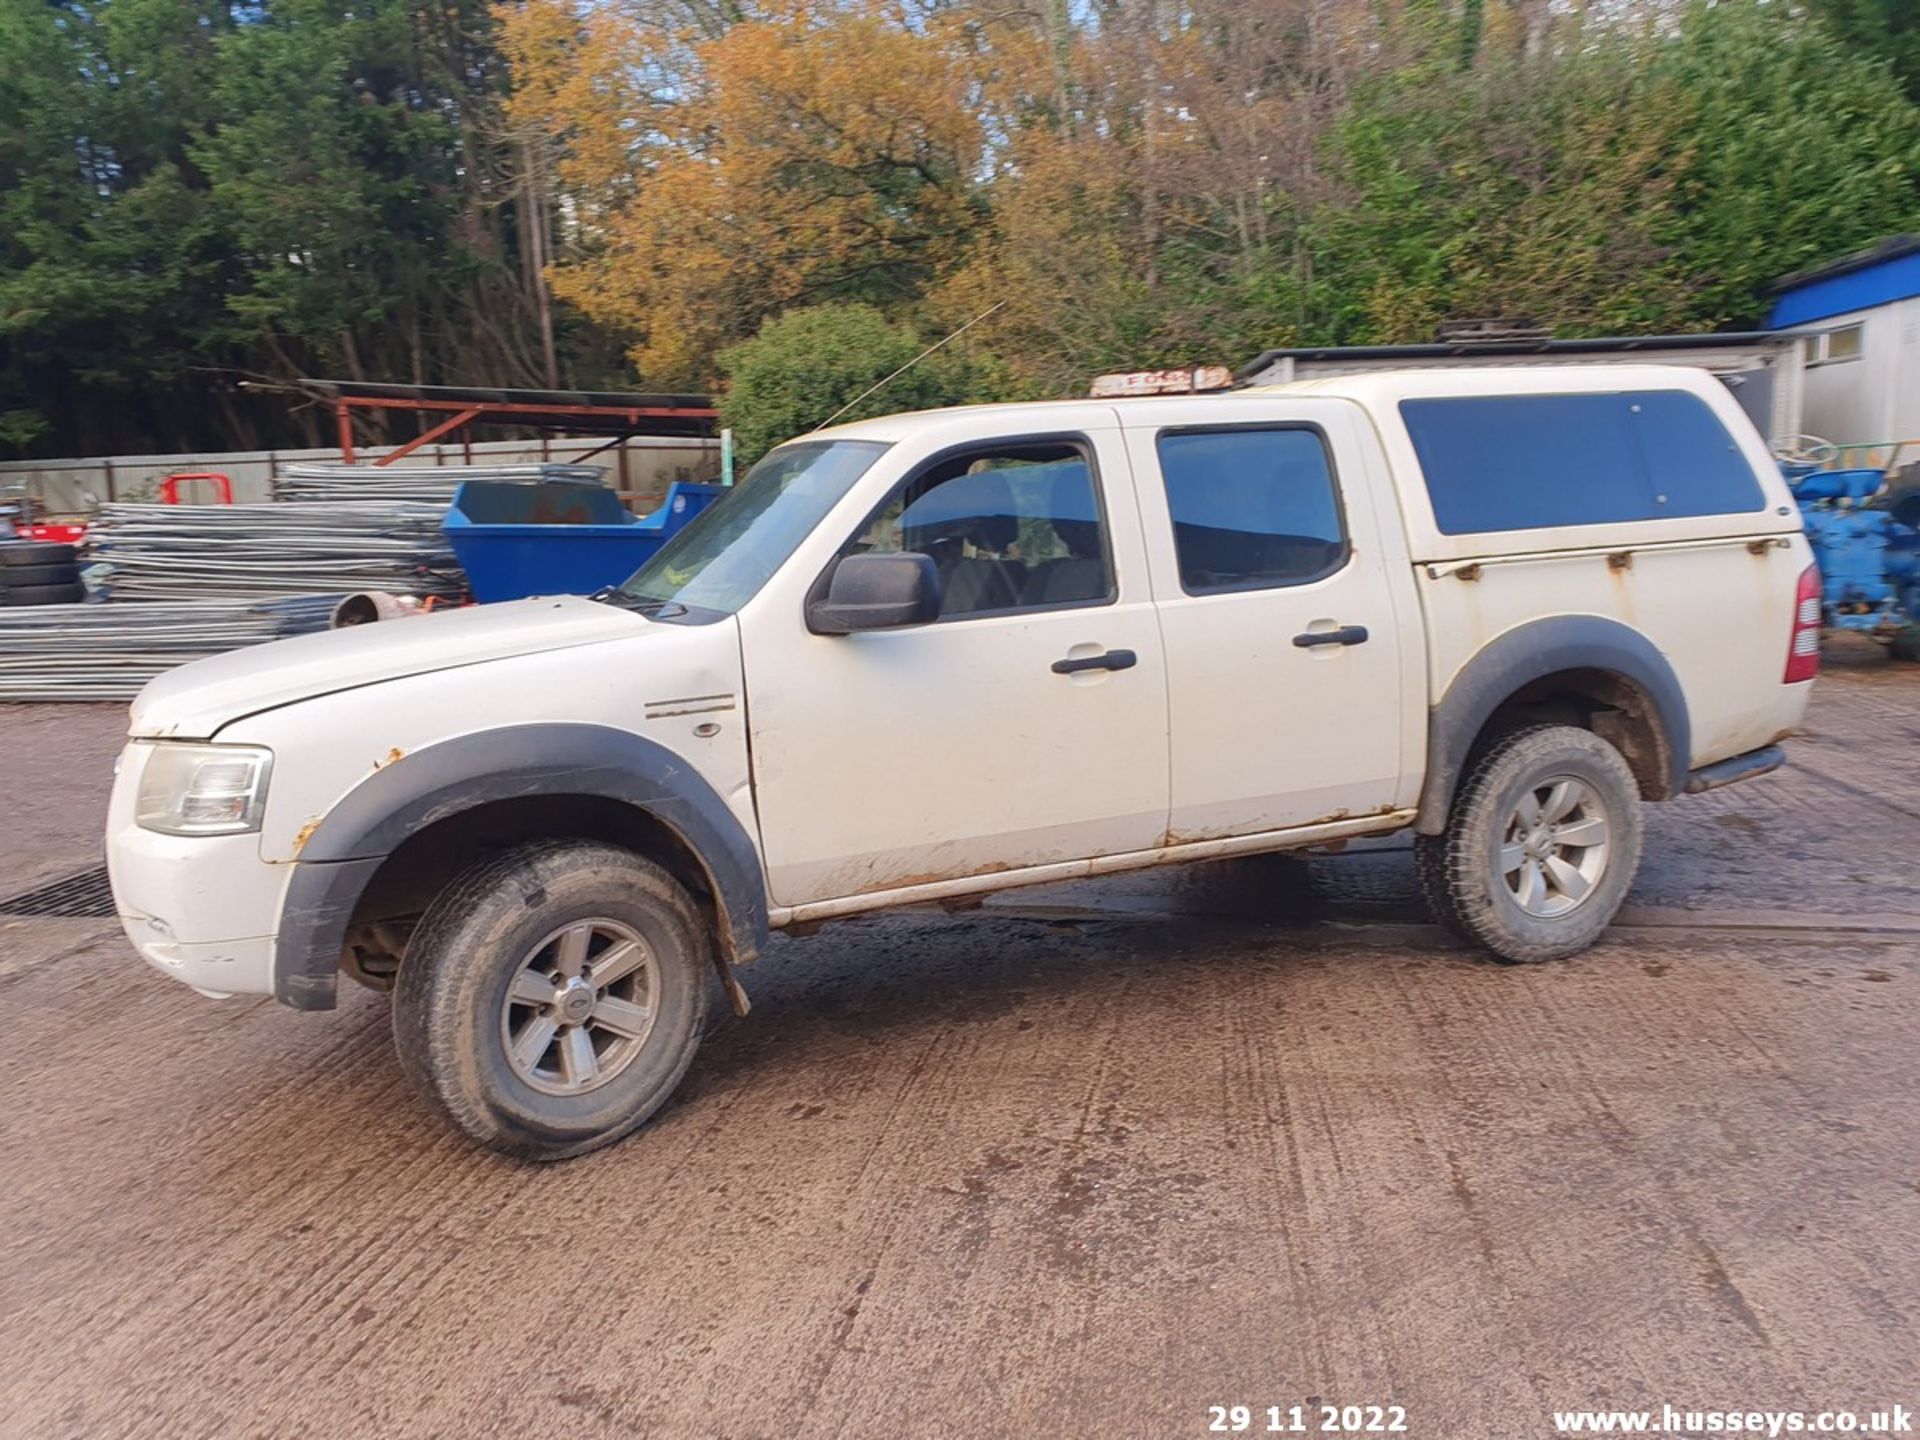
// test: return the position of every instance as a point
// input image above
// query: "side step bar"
(1739, 767)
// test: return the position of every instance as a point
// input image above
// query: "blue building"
(1858, 324)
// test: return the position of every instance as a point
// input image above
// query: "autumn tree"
(801, 156)
(1151, 189)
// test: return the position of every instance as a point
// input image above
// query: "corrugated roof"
(1894, 248)
(473, 395)
(1865, 280)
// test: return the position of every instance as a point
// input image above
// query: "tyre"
(14, 576)
(1540, 848)
(553, 996)
(43, 594)
(34, 552)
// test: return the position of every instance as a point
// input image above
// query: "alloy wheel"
(580, 1007)
(1553, 849)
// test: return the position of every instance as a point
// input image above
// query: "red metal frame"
(170, 487)
(464, 413)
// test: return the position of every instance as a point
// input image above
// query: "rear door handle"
(1112, 660)
(1345, 635)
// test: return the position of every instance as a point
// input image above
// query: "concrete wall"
(74, 487)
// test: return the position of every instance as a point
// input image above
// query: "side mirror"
(877, 592)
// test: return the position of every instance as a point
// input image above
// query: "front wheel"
(553, 996)
(1540, 848)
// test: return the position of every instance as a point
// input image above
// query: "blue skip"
(556, 538)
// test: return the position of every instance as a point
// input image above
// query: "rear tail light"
(1803, 642)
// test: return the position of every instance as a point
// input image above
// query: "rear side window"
(1524, 462)
(1252, 508)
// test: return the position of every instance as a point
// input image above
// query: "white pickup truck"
(940, 654)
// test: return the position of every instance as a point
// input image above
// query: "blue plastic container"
(556, 538)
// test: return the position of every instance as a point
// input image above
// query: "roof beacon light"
(1161, 382)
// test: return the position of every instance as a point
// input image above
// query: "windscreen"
(729, 550)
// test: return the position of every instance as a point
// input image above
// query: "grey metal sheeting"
(107, 652)
(415, 482)
(188, 581)
(197, 552)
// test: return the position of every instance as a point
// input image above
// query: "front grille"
(86, 895)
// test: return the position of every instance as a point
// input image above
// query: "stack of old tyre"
(39, 572)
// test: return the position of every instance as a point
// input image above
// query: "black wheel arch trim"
(1532, 652)
(399, 799)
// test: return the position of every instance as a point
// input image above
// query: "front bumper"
(218, 969)
(202, 908)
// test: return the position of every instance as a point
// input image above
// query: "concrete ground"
(1083, 1163)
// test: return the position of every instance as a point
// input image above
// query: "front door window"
(1009, 529)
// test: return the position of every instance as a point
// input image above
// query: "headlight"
(203, 789)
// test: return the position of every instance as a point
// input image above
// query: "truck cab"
(939, 654)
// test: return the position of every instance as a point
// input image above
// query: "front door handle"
(1112, 660)
(1345, 635)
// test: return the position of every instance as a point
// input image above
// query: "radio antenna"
(881, 384)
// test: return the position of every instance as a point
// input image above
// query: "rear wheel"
(552, 998)
(1540, 848)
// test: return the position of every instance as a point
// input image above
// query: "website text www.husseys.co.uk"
(1671, 1420)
